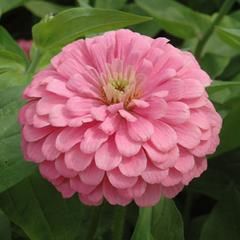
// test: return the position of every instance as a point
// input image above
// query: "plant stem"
(118, 223)
(143, 226)
(95, 214)
(227, 5)
(35, 60)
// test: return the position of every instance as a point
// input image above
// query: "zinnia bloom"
(25, 45)
(121, 117)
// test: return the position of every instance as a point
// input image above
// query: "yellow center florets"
(119, 85)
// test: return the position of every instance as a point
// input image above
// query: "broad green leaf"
(213, 64)
(232, 70)
(79, 22)
(167, 221)
(12, 78)
(230, 132)
(84, 3)
(5, 229)
(211, 183)
(176, 18)
(223, 91)
(150, 28)
(143, 226)
(6, 5)
(9, 45)
(42, 8)
(12, 166)
(42, 213)
(223, 222)
(112, 4)
(222, 171)
(230, 36)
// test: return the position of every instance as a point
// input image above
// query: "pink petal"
(153, 174)
(168, 159)
(160, 159)
(134, 165)
(125, 145)
(99, 113)
(175, 89)
(80, 187)
(48, 148)
(185, 163)
(156, 110)
(174, 177)
(150, 197)
(32, 134)
(34, 151)
(68, 137)
(107, 156)
(46, 103)
(177, 113)
(110, 124)
(48, 170)
(171, 192)
(65, 189)
(199, 118)
(62, 168)
(58, 87)
(118, 180)
(112, 195)
(192, 88)
(82, 86)
(141, 130)
(58, 116)
(94, 198)
(92, 175)
(188, 135)
(93, 138)
(164, 137)
(136, 191)
(77, 160)
(127, 115)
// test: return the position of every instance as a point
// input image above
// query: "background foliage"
(209, 208)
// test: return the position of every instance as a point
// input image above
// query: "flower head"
(25, 45)
(121, 117)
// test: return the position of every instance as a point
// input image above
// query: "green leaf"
(112, 4)
(142, 229)
(213, 64)
(223, 91)
(42, 8)
(176, 18)
(5, 230)
(9, 46)
(6, 5)
(84, 3)
(211, 183)
(230, 132)
(12, 166)
(150, 28)
(79, 22)
(42, 213)
(230, 36)
(223, 221)
(167, 221)
(12, 78)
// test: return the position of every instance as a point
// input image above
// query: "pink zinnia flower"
(121, 116)
(25, 45)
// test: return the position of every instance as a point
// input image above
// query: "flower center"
(118, 83)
